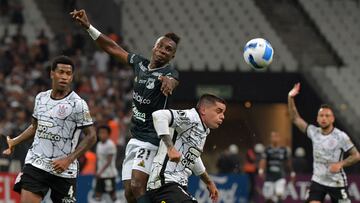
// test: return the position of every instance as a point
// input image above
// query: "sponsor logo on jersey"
(42, 133)
(140, 99)
(150, 83)
(157, 74)
(190, 156)
(138, 115)
(141, 163)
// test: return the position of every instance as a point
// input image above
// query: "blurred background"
(316, 42)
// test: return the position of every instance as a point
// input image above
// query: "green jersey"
(147, 97)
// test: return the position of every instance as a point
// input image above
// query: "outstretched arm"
(214, 192)
(104, 42)
(353, 158)
(28, 133)
(86, 143)
(294, 114)
(200, 170)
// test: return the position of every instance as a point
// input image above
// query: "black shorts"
(317, 192)
(170, 192)
(39, 182)
(105, 185)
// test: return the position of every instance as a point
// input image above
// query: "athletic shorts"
(105, 185)
(139, 155)
(170, 193)
(317, 192)
(274, 188)
(39, 182)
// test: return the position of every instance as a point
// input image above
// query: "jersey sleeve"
(135, 59)
(82, 115)
(35, 111)
(346, 143)
(179, 118)
(111, 148)
(173, 73)
(310, 130)
(199, 167)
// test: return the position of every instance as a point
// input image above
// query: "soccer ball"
(258, 53)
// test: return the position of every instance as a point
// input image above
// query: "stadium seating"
(338, 21)
(213, 32)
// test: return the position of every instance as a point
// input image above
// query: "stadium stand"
(209, 31)
(338, 21)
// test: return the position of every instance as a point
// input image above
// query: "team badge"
(61, 111)
(150, 83)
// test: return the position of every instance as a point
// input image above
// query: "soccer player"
(106, 171)
(155, 80)
(59, 117)
(329, 144)
(179, 154)
(273, 164)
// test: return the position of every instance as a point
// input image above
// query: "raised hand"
(167, 85)
(295, 90)
(81, 17)
(11, 146)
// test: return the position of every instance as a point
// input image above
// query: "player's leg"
(62, 189)
(29, 197)
(141, 168)
(316, 193)
(128, 162)
(280, 189)
(339, 195)
(29, 184)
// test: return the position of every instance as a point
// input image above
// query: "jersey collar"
(204, 126)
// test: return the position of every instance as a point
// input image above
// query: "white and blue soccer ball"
(258, 53)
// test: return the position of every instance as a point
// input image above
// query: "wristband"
(93, 32)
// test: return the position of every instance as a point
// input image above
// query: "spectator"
(229, 161)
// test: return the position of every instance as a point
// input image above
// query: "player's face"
(274, 138)
(103, 135)
(164, 50)
(62, 76)
(325, 118)
(214, 115)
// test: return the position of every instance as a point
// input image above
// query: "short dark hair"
(174, 37)
(62, 59)
(326, 106)
(106, 127)
(209, 99)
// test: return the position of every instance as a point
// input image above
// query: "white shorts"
(274, 189)
(139, 155)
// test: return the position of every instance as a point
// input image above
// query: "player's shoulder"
(339, 133)
(188, 113)
(135, 58)
(43, 94)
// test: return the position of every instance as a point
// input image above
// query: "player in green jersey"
(155, 80)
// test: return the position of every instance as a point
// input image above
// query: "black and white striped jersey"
(328, 149)
(58, 130)
(189, 138)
